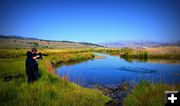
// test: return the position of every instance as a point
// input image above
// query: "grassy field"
(49, 90)
(146, 94)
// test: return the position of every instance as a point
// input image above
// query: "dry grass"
(160, 52)
(99, 57)
(163, 50)
(29, 43)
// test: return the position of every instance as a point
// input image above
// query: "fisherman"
(29, 67)
(35, 61)
(32, 65)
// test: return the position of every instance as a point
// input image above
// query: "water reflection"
(154, 60)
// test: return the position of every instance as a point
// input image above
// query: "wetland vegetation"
(49, 90)
(52, 90)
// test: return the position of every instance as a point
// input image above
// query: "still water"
(112, 71)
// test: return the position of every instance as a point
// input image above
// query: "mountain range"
(135, 44)
(14, 41)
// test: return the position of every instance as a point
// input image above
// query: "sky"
(93, 21)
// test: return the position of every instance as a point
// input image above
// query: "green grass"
(146, 94)
(49, 90)
(71, 57)
(128, 54)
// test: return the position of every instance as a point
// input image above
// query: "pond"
(112, 71)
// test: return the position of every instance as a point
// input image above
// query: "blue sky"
(92, 20)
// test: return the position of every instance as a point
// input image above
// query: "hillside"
(23, 42)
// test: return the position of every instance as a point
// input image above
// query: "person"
(35, 62)
(29, 67)
(32, 65)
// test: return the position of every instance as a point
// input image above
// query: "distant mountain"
(13, 41)
(134, 44)
(16, 37)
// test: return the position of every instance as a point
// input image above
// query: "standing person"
(29, 67)
(32, 65)
(35, 62)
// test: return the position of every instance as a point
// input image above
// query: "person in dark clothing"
(35, 62)
(29, 67)
(32, 66)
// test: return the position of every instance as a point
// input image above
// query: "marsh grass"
(49, 90)
(146, 94)
(71, 57)
(170, 52)
(150, 53)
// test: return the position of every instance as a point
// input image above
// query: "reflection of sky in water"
(112, 71)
